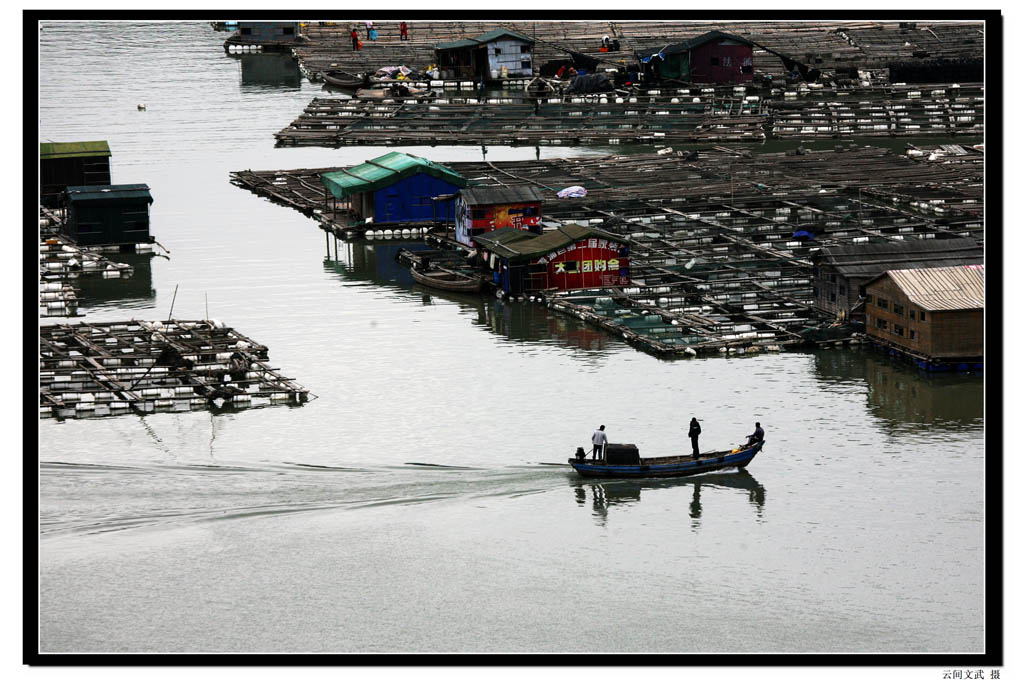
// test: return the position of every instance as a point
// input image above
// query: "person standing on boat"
(757, 436)
(693, 435)
(600, 440)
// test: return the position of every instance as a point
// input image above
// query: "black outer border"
(994, 359)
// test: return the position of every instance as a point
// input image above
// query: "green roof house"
(71, 164)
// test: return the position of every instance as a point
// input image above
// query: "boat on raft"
(343, 79)
(447, 279)
(624, 461)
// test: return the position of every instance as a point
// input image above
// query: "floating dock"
(715, 266)
(61, 262)
(653, 116)
(825, 45)
(105, 369)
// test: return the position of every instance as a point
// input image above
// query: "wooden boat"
(343, 79)
(447, 279)
(623, 461)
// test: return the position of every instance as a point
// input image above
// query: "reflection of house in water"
(520, 321)
(273, 69)
(532, 322)
(138, 288)
(375, 262)
(905, 397)
(606, 495)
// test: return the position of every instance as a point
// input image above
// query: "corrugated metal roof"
(382, 171)
(501, 33)
(483, 38)
(943, 288)
(531, 246)
(501, 195)
(871, 259)
(129, 191)
(87, 148)
(462, 43)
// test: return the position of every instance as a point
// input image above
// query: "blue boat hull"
(680, 466)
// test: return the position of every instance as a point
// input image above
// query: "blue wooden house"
(392, 189)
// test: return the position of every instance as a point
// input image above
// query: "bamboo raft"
(105, 369)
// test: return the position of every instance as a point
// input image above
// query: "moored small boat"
(343, 79)
(624, 461)
(446, 279)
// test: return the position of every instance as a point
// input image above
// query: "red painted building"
(479, 210)
(568, 258)
(714, 57)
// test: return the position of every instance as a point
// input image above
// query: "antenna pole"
(172, 302)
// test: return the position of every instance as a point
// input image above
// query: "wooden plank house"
(108, 215)
(840, 271)
(494, 55)
(85, 163)
(570, 257)
(712, 57)
(394, 188)
(934, 315)
(480, 210)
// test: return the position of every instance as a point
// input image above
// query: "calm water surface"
(420, 502)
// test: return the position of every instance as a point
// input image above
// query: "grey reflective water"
(421, 503)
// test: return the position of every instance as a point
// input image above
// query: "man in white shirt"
(600, 440)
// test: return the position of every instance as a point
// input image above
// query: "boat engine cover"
(621, 453)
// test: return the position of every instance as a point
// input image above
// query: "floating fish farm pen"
(662, 116)
(105, 369)
(605, 119)
(720, 239)
(61, 262)
(828, 46)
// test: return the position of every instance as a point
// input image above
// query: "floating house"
(269, 34)
(479, 210)
(713, 57)
(61, 165)
(494, 55)
(935, 315)
(108, 215)
(840, 271)
(568, 258)
(394, 188)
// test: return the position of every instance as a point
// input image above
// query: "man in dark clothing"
(757, 436)
(694, 434)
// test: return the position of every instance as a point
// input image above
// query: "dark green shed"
(108, 215)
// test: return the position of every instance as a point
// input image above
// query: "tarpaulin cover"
(590, 83)
(573, 191)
